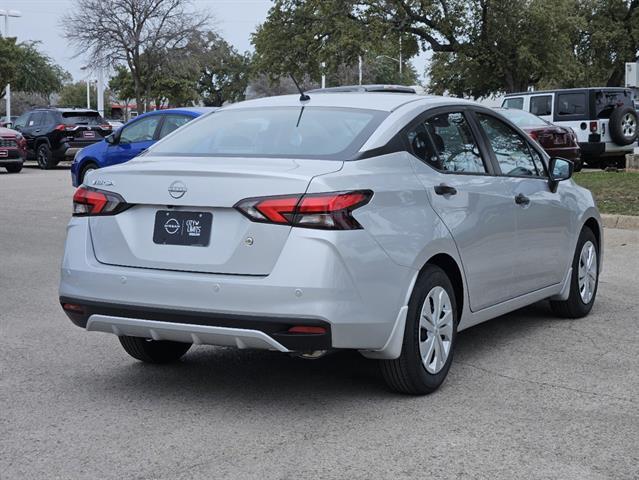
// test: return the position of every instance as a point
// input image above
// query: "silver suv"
(380, 222)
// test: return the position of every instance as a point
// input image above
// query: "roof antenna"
(303, 96)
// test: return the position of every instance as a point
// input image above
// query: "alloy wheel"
(436, 330)
(587, 272)
(629, 125)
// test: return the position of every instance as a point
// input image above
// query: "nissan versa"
(379, 222)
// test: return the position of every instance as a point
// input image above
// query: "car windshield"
(82, 118)
(289, 132)
(523, 119)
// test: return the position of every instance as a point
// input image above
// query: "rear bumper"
(592, 149)
(597, 149)
(343, 281)
(243, 331)
(570, 153)
(11, 155)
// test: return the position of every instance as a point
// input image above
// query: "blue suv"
(132, 139)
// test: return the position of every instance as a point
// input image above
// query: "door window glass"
(517, 102)
(36, 119)
(541, 105)
(141, 130)
(172, 123)
(512, 151)
(607, 100)
(21, 121)
(446, 143)
(571, 104)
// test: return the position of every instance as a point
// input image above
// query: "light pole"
(6, 14)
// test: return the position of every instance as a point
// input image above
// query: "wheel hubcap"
(435, 330)
(629, 125)
(587, 272)
(42, 157)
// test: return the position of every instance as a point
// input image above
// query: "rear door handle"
(445, 190)
(522, 199)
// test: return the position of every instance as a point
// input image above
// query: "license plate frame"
(182, 228)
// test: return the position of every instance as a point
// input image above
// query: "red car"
(13, 150)
(556, 141)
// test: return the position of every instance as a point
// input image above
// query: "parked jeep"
(54, 134)
(604, 119)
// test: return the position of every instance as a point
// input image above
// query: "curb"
(627, 222)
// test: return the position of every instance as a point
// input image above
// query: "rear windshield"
(607, 101)
(523, 119)
(82, 118)
(289, 132)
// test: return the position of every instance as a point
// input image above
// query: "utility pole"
(401, 77)
(323, 65)
(6, 14)
(100, 90)
(360, 69)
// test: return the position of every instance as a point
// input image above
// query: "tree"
(609, 39)
(299, 35)
(223, 72)
(28, 70)
(136, 33)
(75, 95)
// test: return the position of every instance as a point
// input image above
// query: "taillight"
(330, 211)
(106, 126)
(90, 201)
(534, 135)
(64, 128)
(594, 126)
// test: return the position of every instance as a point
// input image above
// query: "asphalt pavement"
(529, 396)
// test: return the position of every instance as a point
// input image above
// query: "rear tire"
(154, 351)
(86, 169)
(44, 156)
(584, 280)
(14, 168)
(429, 337)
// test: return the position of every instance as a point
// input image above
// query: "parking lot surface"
(528, 396)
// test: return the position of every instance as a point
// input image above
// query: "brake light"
(533, 135)
(64, 128)
(106, 126)
(594, 126)
(330, 211)
(90, 201)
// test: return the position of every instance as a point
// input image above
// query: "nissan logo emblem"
(177, 189)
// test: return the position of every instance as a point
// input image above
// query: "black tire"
(623, 125)
(44, 156)
(154, 351)
(14, 168)
(85, 169)
(408, 374)
(574, 306)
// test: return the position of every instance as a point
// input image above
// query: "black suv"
(54, 134)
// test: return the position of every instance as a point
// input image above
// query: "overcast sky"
(235, 20)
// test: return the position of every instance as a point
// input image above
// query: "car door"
(133, 139)
(544, 219)
(31, 129)
(474, 204)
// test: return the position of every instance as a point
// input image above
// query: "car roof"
(357, 100)
(562, 90)
(192, 111)
(66, 109)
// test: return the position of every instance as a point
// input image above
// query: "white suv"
(604, 119)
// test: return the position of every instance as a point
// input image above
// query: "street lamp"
(6, 14)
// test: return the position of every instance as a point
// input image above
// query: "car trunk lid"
(161, 189)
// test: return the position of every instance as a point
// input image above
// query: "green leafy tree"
(75, 95)
(301, 35)
(223, 73)
(29, 70)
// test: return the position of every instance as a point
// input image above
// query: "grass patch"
(615, 192)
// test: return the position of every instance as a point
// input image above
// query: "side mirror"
(112, 139)
(559, 169)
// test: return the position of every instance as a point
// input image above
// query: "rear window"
(607, 101)
(571, 104)
(289, 132)
(517, 103)
(82, 118)
(523, 119)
